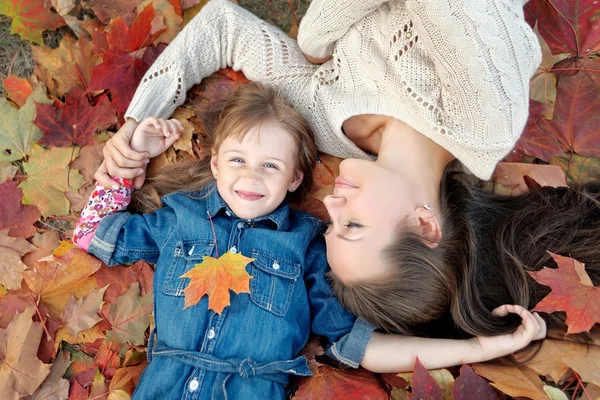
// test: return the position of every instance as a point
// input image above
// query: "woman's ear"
(213, 163)
(296, 181)
(429, 226)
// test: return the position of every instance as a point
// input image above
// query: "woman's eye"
(270, 165)
(353, 225)
(237, 160)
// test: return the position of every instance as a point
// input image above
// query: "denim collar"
(215, 204)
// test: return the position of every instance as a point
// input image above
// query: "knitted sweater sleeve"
(328, 20)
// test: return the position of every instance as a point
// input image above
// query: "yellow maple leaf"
(215, 277)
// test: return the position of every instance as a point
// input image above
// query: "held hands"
(155, 135)
(123, 161)
(533, 327)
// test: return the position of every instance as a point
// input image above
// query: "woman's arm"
(391, 353)
(326, 21)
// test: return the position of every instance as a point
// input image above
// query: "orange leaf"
(30, 18)
(215, 277)
(17, 89)
(572, 292)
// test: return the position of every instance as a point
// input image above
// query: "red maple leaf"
(423, 386)
(572, 291)
(14, 215)
(576, 122)
(332, 383)
(75, 121)
(120, 74)
(146, 28)
(537, 139)
(17, 89)
(568, 26)
(470, 386)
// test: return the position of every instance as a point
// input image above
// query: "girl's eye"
(270, 165)
(353, 225)
(237, 160)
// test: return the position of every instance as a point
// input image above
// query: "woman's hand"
(155, 135)
(533, 327)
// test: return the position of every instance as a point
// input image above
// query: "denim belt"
(276, 371)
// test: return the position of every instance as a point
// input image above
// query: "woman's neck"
(416, 157)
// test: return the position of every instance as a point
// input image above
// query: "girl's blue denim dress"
(251, 349)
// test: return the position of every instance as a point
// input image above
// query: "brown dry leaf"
(87, 336)
(45, 244)
(11, 304)
(21, 372)
(11, 267)
(130, 317)
(82, 314)
(443, 378)
(54, 386)
(592, 391)
(173, 18)
(98, 391)
(514, 381)
(184, 142)
(512, 176)
(68, 65)
(7, 171)
(124, 381)
(120, 278)
(90, 158)
(55, 280)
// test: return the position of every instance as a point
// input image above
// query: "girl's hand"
(533, 327)
(155, 135)
(120, 160)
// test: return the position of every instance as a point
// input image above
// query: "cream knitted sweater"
(455, 70)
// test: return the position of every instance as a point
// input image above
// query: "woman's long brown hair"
(251, 105)
(489, 242)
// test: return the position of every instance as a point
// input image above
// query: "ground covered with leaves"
(72, 328)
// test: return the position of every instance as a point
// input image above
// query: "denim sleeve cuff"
(350, 349)
(105, 239)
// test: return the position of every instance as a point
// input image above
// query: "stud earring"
(427, 206)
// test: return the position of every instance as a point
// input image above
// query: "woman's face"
(368, 203)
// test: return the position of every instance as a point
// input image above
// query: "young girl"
(263, 152)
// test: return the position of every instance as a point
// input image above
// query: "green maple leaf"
(30, 18)
(130, 317)
(17, 131)
(49, 177)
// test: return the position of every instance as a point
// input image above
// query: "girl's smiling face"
(254, 175)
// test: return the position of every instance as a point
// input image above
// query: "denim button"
(227, 213)
(233, 250)
(275, 265)
(193, 386)
(240, 225)
(211, 333)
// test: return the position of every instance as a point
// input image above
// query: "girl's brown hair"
(251, 105)
(489, 242)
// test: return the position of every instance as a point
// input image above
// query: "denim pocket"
(185, 257)
(273, 281)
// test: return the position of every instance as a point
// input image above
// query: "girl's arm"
(153, 136)
(391, 353)
(326, 21)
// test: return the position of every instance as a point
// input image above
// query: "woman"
(419, 83)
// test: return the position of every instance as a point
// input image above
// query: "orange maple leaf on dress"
(215, 277)
(572, 292)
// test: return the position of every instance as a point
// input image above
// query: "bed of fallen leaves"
(72, 328)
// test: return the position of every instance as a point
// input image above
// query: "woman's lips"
(249, 196)
(341, 182)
